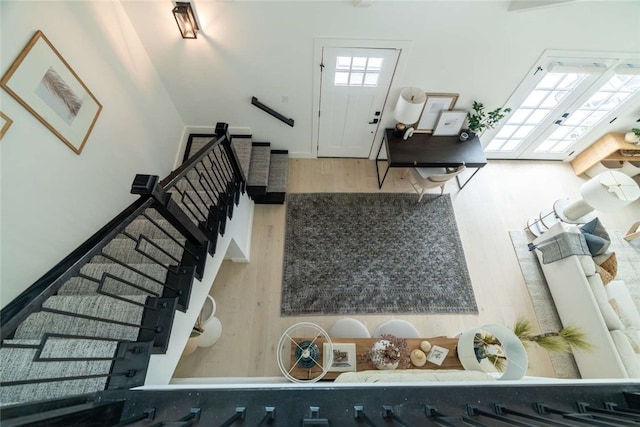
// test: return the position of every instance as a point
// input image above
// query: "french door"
(560, 103)
(354, 86)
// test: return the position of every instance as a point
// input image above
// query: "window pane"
(570, 81)
(594, 118)
(523, 132)
(545, 146)
(561, 146)
(495, 144)
(506, 131)
(341, 78)
(537, 117)
(519, 116)
(371, 79)
(553, 99)
(343, 63)
(576, 118)
(534, 98)
(560, 132)
(356, 79)
(375, 64)
(550, 81)
(359, 63)
(511, 145)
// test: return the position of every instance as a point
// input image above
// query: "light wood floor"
(500, 198)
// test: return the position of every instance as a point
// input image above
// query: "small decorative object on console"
(437, 355)
(390, 352)
(418, 358)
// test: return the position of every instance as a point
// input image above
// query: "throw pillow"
(609, 315)
(622, 302)
(596, 236)
(610, 265)
(629, 357)
(604, 275)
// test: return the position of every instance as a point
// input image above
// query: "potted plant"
(633, 137)
(480, 120)
(486, 346)
(194, 338)
(390, 352)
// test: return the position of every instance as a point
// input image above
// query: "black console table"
(425, 150)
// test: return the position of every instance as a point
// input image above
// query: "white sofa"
(582, 300)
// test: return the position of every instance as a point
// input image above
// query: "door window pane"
(357, 71)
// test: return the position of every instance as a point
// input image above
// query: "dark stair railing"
(467, 404)
(143, 261)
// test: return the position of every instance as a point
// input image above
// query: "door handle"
(374, 121)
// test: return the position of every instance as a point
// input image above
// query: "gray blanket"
(561, 246)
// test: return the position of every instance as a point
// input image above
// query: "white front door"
(353, 89)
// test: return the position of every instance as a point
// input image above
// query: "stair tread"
(259, 166)
(81, 286)
(197, 142)
(17, 364)
(102, 306)
(278, 173)
(242, 147)
(142, 225)
(131, 252)
(39, 323)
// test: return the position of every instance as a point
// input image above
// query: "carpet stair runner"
(113, 314)
(265, 170)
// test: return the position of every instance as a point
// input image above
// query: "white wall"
(265, 49)
(52, 199)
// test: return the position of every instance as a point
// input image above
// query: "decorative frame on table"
(344, 357)
(433, 106)
(437, 355)
(42, 81)
(5, 123)
(450, 123)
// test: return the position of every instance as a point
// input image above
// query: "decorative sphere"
(418, 358)
(425, 346)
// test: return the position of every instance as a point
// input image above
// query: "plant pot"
(191, 346)
(377, 359)
(211, 324)
(631, 137)
(466, 135)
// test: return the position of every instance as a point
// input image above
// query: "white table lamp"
(605, 192)
(511, 347)
(409, 105)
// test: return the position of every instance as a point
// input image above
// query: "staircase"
(97, 323)
(264, 169)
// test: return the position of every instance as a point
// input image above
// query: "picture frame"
(5, 123)
(450, 123)
(437, 355)
(433, 106)
(344, 357)
(45, 84)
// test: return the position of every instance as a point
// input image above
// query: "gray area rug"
(628, 256)
(373, 253)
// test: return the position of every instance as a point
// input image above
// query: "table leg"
(380, 182)
(467, 181)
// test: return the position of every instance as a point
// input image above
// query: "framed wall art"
(449, 123)
(434, 105)
(42, 81)
(5, 122)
